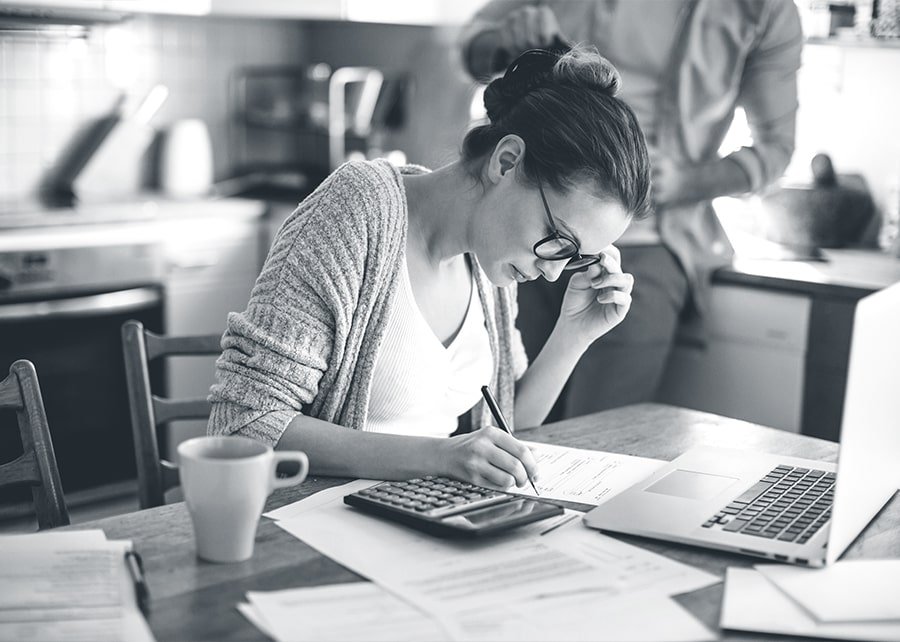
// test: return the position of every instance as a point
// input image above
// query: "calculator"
(450, 508)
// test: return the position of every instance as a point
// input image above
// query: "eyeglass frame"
(576, 258)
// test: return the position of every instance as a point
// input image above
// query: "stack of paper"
(548, 580)
(67, 586)
(852, 600)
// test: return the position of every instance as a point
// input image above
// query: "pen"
(501, 420)
(136, 569)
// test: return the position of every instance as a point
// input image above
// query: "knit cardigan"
(308, 340)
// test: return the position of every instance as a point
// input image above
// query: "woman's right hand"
(488, 457)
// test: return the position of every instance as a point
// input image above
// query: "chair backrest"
(150, 411)
(36, 466)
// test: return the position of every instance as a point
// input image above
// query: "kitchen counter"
(845, 273)
(143, 207)
(143, 219)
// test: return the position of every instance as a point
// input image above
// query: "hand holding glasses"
(560, 247)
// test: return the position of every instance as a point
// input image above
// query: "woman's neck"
(440, 206)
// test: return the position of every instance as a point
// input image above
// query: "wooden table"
(196, 600)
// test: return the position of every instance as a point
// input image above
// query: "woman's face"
(515, 219)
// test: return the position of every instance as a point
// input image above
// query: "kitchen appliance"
(105, 157)
(831, 211)
(64, 294)
(186, 159)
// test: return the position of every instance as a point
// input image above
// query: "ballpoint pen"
(136, 569)
(501, 420)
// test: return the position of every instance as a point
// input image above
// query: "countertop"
(845, 273)
(143, 218)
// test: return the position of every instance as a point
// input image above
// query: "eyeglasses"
(560, 247)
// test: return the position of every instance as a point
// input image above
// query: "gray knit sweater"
(307, 342)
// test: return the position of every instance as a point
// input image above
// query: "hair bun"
(585, 67)
(526, 73)
(581, 67)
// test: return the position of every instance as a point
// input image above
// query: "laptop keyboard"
(788, 504)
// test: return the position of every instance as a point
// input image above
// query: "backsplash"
(50, 85)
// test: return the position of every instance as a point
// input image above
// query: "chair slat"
(166, 410)
(23, 470)
(150, 411)
(37, 465)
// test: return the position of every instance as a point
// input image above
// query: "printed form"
(585, 476)
(531, 573)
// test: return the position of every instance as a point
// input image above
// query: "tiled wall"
(51, 85)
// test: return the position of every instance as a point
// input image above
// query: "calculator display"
(482, 517)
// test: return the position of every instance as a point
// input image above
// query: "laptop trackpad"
(691, 484)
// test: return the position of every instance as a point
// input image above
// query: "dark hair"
(564, 106)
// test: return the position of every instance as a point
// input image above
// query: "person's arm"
(501, 30)
(595, 302)
(487, 457)
(677, 183)
(768, 94)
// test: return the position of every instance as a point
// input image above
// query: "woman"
(388, 297)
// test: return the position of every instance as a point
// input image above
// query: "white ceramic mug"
(226, 481)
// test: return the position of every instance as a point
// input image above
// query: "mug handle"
(289, 455)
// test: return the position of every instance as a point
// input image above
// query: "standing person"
(388, 298)
(686, 65)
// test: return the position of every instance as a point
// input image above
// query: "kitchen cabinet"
(97, 8)
(778, 341)
(752, 365)
(410, 12)
(211, 266)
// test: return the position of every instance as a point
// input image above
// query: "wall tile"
(49, 87)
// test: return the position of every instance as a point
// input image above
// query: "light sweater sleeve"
(277, 351)
(768, 94)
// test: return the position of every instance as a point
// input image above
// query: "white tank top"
(419, 387)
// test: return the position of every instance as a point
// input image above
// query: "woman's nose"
(551, 270)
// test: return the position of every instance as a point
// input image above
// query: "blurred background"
(154, 147)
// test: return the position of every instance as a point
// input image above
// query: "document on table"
(467, 581)
(847, 591)
(339, 612)
(753, 603)
(585, 476)
(67, 586)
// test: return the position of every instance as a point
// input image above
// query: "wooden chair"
(149, 411)
(36, 466)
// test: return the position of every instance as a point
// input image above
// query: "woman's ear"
(508, 153)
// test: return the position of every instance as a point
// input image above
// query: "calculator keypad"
(432, 496)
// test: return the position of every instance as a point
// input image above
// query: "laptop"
(789, 509)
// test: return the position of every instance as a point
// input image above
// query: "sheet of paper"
(354, 611)
(322, 497)
(585, 476)
(255, 618)
(848, 591)
(752, 603)
(67, 586)
(576, 619)
(449, 576)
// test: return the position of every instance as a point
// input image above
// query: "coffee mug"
(226, 481)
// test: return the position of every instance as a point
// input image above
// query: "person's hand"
(489, 457)
(528, 28)
(673, 182)
(597, 299)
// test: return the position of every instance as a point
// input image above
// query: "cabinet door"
(752, 366)
(211, 269)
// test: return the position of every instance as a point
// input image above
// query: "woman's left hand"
(597, 299)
